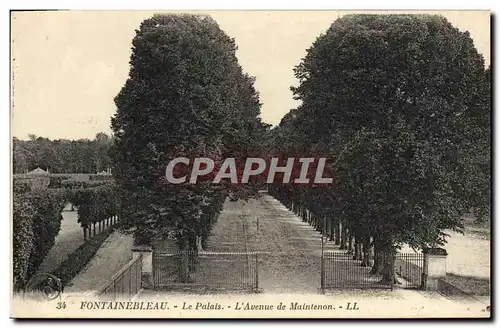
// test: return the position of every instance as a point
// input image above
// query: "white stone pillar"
(434, 267)
(147, 262)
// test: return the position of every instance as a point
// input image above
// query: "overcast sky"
(68, 66)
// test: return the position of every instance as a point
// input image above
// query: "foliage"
(186, 95)
(36, 223)
(23, 239)
(78, 259)
(102, 177)
(95, 200)
(37, 218)
(400, 105)
(62, 156)
(79, 184)
(56, 181)
(20, 186)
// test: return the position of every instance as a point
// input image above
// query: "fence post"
(322, 266)
(434, 267)
(394, 269)
(256, 271)
(147, 263)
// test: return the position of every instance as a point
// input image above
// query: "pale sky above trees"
(68, 66)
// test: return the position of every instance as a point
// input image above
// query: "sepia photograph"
(251, 164)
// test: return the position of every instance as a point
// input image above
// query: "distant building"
(38, 171)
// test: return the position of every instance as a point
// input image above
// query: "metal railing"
(218, 270)
(340, 270)
(409, 267)
(126, 282)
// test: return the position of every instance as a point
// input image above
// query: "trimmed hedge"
(37, 218)
(22, 239)
(77, 260)
(103, 177)
(79, 184)
(56, 181)
(21, 186)
(36, 223)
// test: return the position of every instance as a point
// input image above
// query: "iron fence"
(409, 269)
(218, 270)
(126, 282)
(340, 270)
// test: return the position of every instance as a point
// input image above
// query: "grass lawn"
(471, 285)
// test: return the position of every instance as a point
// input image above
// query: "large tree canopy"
(186, 95)
(400, 104)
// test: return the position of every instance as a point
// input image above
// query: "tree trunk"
(388, 273)
(357, 246)
(388, 259)
(184, 266)
(350, 246)
(367, 258)
(331, 229)
(337, 232)
(199, 245)
(378, 258)
(183, 262)
(94, 228)
(85, 233)
(100, 228)
(319, 224)
(343, 237)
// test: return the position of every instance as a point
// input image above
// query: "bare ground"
(291, 249)
(70, 237)
(114, 253)
(289, 259)
(291, 262)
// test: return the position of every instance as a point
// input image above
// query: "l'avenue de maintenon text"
(197, 306)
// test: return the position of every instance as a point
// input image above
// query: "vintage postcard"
(251, 164)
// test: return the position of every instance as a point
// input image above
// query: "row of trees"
(187, 96)
(62, 156)
(37, 216)
(400, 104)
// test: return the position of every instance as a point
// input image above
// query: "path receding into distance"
(70, 237)
(291, 265)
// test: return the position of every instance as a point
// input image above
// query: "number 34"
(61, 305)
